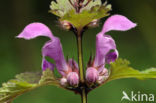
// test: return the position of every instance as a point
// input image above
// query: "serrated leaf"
(60, 7)
(29, 77)
(121, 69)
(80, 20)
(25, 82)
(48, 77)
(94, 10)
(91, 4)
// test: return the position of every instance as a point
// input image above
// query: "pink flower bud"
(73, 79)
(91, 75)
(63, 81)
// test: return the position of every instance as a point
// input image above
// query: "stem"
(80, 59)
(84, 96)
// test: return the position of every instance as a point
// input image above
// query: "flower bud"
(63, 81)
(103, 76)
(91, 75)
(66, 25)
(94, 23)
(73, 79)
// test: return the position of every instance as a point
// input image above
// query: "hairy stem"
(80, 59)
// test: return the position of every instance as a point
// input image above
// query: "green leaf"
(29, 77)
(25, 82)
(94, 10)
(80, 20)
(60, 7)
(91, 4)
(48, 78)
(121, 69)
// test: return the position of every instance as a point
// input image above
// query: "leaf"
(91, 4)
(80, 20)
(121, 69)
(16, 87)
(29, 77)
(94, 10)
(60, 7)
(48, 78)
(25, 82)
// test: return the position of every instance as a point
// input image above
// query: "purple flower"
(52, 49)
(106, 51)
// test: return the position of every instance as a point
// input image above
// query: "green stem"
(84, 96)
(80, 59)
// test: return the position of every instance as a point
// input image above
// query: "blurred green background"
(17, 55)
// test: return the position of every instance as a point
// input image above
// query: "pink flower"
(52, 49)
(106, 51)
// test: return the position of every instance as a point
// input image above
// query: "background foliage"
(137, 45)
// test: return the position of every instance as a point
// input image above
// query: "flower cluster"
(96, 72)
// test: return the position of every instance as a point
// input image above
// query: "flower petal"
(34, 30)
(104, 43)
(47, 65)
(53, 49)
(117, 22)
(111, 57)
